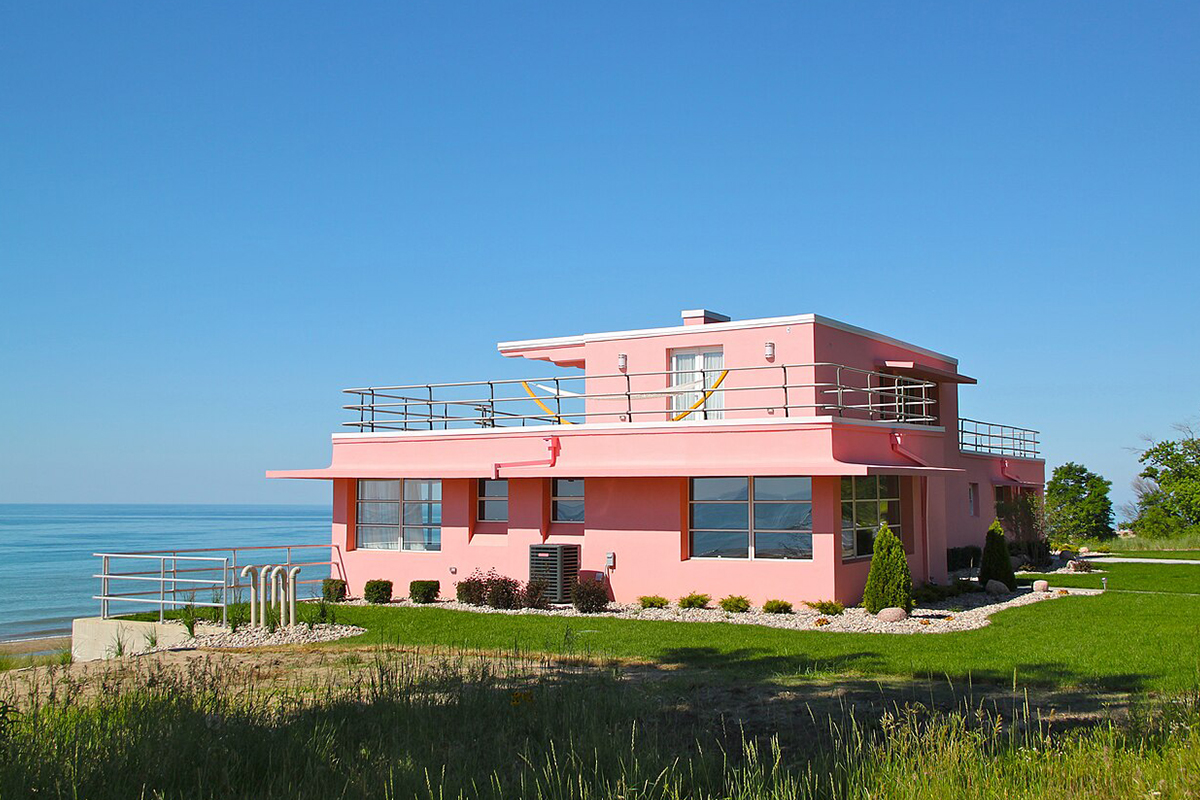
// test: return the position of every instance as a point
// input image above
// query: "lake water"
(46, 559)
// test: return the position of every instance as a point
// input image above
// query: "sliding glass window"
(751, 518)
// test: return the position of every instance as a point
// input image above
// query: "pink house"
(754, 457)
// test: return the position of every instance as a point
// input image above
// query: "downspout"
(1004, 471)
(552, 445)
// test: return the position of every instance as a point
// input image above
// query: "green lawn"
(1119, 640)
(1173, 578)
(1188, 554)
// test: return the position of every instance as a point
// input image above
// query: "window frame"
(481, 499)
(403, 525)
(751, 529)
(555, 498)
(855, 529)
(973, 499)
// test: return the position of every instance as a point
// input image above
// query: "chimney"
(702, 316)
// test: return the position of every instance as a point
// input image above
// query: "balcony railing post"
(628, 398)
(787, 404)
(104, 587)
(838, 378)
(162, 588)
(225, 593)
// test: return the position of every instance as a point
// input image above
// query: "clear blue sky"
(213, 217)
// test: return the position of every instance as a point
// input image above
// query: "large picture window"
(751, 518)
(566, 500)
(493, 500)
(399, 515)
(868, 502)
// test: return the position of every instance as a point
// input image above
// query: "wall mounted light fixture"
(622, 361)
(769, 351)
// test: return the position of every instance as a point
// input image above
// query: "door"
(693, 373)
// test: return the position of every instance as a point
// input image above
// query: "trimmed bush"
(500, 591)
(830, 607)
(734, 604)
(471, 590)
(589, 596)
(777, 607)
(889, 583)
(932, 593)
(378, 592)
(653, 601)
(424, 591)
(533, 595)
(996, 564)
(694, 600)
(962, 557)
(333, 590)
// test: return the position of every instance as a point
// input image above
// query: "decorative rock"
(892, 614)
(996, 587)
(1041, 586)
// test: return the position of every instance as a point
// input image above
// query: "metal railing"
(990, 438)
(206, 577)
(699, 394)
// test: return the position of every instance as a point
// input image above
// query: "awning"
(911, 369)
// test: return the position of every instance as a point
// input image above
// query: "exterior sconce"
(622, 361)
(769, 351)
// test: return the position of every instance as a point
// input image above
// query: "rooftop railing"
(990, 438)
(791, 390)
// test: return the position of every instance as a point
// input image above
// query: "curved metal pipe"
(263, 575)
(291, 592)
(277, 589)
(252, 571)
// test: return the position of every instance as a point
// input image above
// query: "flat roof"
(764, 322)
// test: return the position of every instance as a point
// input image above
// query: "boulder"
(1018, 562)
(996, 587)
(1041, 586)
(892, 614)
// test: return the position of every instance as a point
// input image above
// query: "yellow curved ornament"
(545, 408)
(700, 402)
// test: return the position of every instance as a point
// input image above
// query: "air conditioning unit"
(557, 566)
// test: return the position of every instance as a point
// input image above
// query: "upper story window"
(973, 499)
(867, 502)
(694, 374)
(566, 500)
(493, 500)
(399, 515)
(751, 518)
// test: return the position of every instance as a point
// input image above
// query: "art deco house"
(754, 457)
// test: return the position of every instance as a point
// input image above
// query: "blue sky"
(213, 217)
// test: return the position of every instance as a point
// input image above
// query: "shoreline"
(41, 644)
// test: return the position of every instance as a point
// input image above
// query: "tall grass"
(1137, 544)
(422, 726)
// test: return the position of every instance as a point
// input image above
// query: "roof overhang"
(924, 372)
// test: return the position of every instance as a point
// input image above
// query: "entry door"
(694, 372)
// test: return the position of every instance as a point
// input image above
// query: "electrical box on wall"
(610, 560)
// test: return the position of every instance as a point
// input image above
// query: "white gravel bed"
(963, 613)
(261, 637)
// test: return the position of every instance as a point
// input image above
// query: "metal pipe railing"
(848, 391)
(992, 438)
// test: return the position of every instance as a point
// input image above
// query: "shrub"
(533, 595)
(500, 591)
(996, 564)
(962, 557)
(333, 590)
(777, 607)
(1080, 565)
(653, 601)
(932, 593)
(734, 604)
(472, 590)
(424, 591)
(830, 607)
(694, 600)
(589, 596)
(378, 592)
(889, 583)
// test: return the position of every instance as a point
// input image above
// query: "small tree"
(889, 583)
(996, 564)
(1077, 504)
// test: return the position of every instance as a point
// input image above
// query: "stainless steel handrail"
(848, 391)
(993, 438)
(185, 561)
